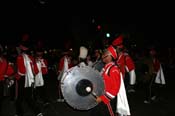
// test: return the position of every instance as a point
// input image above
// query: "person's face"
(106, 57)
(97, 53)
(39, 54)
(152, 52)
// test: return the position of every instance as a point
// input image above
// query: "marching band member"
(64, 63)
(3, 68)
(113, 82)
(26, 69)
(41, 79)
(125, 62)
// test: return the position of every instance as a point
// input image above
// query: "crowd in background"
(51, 58)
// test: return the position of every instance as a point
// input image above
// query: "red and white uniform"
(10, 70)
(61, 63)
(158, 70)
(64, 64)
(111, 82)
(3, 68)
(129, 62)
(43, 69)
(22, 68)
(6, 69)
(121, 63)
(27, 67)
(130, 68)
(126, 63)
(156, 65)
(44, 66)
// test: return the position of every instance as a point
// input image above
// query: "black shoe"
(18, 115)
(146, 101)
(40, 114)
(153, 98)
(46, 103)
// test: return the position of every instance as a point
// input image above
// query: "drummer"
(111, 77)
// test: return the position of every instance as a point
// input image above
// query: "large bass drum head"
(79, 85)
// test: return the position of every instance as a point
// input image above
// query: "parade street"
(160, 107)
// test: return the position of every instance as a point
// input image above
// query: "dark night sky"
(51, 19)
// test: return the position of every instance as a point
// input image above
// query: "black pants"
(25, 95)
(1, 94)
(41, 92)
(149, 87)
(60, 95)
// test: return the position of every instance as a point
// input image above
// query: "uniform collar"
(109, 64)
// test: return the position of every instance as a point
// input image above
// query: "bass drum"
(80, 85)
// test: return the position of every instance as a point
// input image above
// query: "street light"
(108, 35)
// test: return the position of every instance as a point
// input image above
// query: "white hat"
(83, 52)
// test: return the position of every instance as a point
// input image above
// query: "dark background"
(52, 20)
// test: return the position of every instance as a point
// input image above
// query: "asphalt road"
(164, 106)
